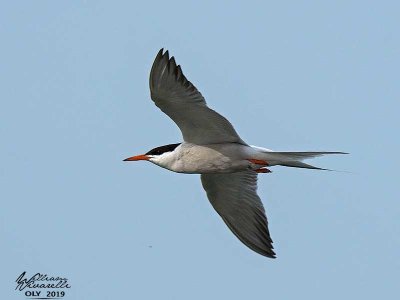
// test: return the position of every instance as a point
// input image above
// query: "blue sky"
(296, 75)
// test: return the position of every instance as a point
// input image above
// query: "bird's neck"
(166, 160)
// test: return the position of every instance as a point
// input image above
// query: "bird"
(211, 147)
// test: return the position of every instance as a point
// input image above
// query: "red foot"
(258, 162)
(263, 170)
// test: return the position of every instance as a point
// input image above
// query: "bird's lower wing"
(183, 103)
(234, 197)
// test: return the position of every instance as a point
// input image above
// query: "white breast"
(215, 158)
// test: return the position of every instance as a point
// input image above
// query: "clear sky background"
(294, 75)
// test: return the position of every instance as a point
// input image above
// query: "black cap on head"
(162, 149)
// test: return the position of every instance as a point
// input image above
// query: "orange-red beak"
(138, 157)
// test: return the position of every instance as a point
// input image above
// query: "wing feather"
(234, 197)
(184, 104)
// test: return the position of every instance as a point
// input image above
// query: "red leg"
(263, 170)
(258, 162)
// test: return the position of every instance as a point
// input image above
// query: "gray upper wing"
(234, 197)
(183, 103)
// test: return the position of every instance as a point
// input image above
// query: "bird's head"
(156, 155)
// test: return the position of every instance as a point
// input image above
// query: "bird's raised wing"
(234, 197)
(183, 103)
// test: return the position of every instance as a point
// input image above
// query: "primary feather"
(183, 103)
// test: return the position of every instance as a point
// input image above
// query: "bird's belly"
(211, 167)
(201, 160)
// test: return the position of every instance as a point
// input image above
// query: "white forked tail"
(299, 164)
(293, 159)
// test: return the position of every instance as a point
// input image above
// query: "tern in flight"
(211, 147)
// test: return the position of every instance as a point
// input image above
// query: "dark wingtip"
(268, 253)
(337, 152)
(271, 253)
(159, 54)
(172, 64)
